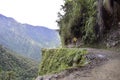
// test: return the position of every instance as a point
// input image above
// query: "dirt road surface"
(105, 65)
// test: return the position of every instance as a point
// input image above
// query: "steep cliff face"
(26, 39)
(89, 24)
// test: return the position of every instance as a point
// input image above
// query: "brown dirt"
(101, 68)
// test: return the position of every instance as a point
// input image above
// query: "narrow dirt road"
(105, 65)
(109, 70)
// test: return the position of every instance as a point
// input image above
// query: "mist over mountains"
(26, 39)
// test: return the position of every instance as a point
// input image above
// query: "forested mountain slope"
(15, 67)
(26, 39)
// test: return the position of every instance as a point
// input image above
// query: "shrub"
(56, 60)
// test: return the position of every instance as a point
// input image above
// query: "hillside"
(15, 67)
(26, 39)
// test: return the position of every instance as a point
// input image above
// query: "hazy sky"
(34, 12)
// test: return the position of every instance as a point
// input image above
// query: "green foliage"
(90, 22)
(56, 60)
(78, 21)
(15, 67)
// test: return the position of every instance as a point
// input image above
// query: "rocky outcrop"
(113, 38)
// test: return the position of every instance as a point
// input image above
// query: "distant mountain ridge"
(26, 39)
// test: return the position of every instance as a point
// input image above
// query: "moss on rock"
(56, 60)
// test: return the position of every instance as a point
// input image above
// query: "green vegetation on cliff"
(78, 21)
(90, 21)
(56, 60)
